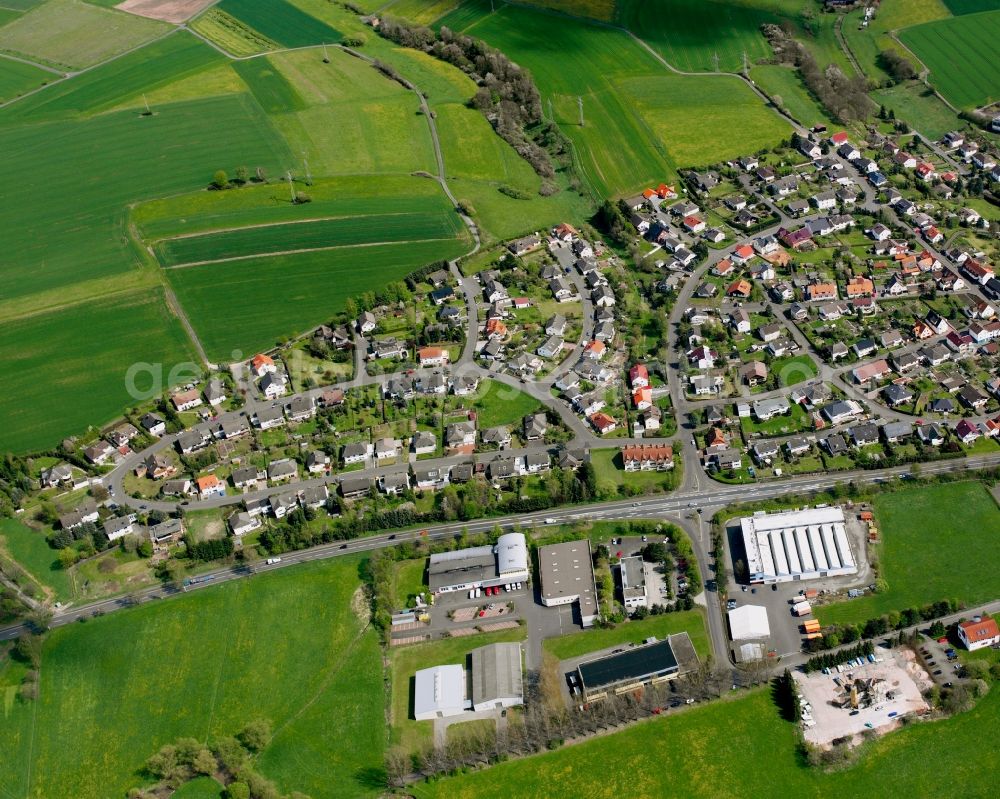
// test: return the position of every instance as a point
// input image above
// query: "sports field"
(62, 377)
(929, 551)
(74, 34)
(285, 646)
(961, 55)
(281, 22)
(741, 748)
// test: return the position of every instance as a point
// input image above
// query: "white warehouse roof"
(797, 545)
(512, 554)
(748, 622)
(439, 692)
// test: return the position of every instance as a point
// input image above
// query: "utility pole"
(579, 103)
(492, 9)
(305, 164)
(326, 55)
(715, 60)
(552, 116)
(746, 67)
(145, 102)
(291, 188)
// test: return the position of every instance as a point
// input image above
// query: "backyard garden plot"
(16, 78)
(285, 646)
(961, 56)
(313, 234)
(246, 305)
(685, 755)
(154, 66)
(67, 369)
(691, 33)
(925, 554)
(74, 34)
(281, 22)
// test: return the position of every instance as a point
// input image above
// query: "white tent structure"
(749, 622)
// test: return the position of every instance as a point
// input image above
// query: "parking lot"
(886, 692)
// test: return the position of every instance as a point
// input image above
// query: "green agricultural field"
(497, 403)
(64, 378)
(274, 93)
(924, 554)
(959, 7)
(281, 22)
(318, 234)
(355, 120)
(74, 34)
(246, 305)
(229, 33)
(465, 14)
(718, 750)
(633, 632)
(690, 33)
(784, 83)
(421, 11)
(154, 66)
(285, 646)
(961, 55)
(30, 549)
(100, 165)
(16, 78)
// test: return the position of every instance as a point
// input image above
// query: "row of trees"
(838, 634)
(845, 98)
(507, 95)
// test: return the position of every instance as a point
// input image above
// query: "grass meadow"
(74, 34)
(633, 632)
(930, 550)
(284, 646)
(741, 748)
(497, 403)
(63, 377)
(784, 83)
(961, 55)
(30, 549)
(919, 106)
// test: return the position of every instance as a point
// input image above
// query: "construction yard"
(873, 696)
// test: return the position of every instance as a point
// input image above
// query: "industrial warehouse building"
(493, 681)
(797, 545)
(480, 567)
(632, 668)
(567, 575)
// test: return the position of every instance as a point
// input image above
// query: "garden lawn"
(408, 581)
(30, 549)
(247, 305)
(633, 632)
(718, 750)
(285, 646)
(74, 34)
(67, 369)
(405, 661)
(497, 403)
(794, 369)
(961, 55)
(16, 78)
(609, 470)
(938, 542)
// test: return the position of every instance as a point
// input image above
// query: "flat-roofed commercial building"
(439, 692)
(480, 567)
(567, 575)
(631, 572)
(797, 545)
(628, 670)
